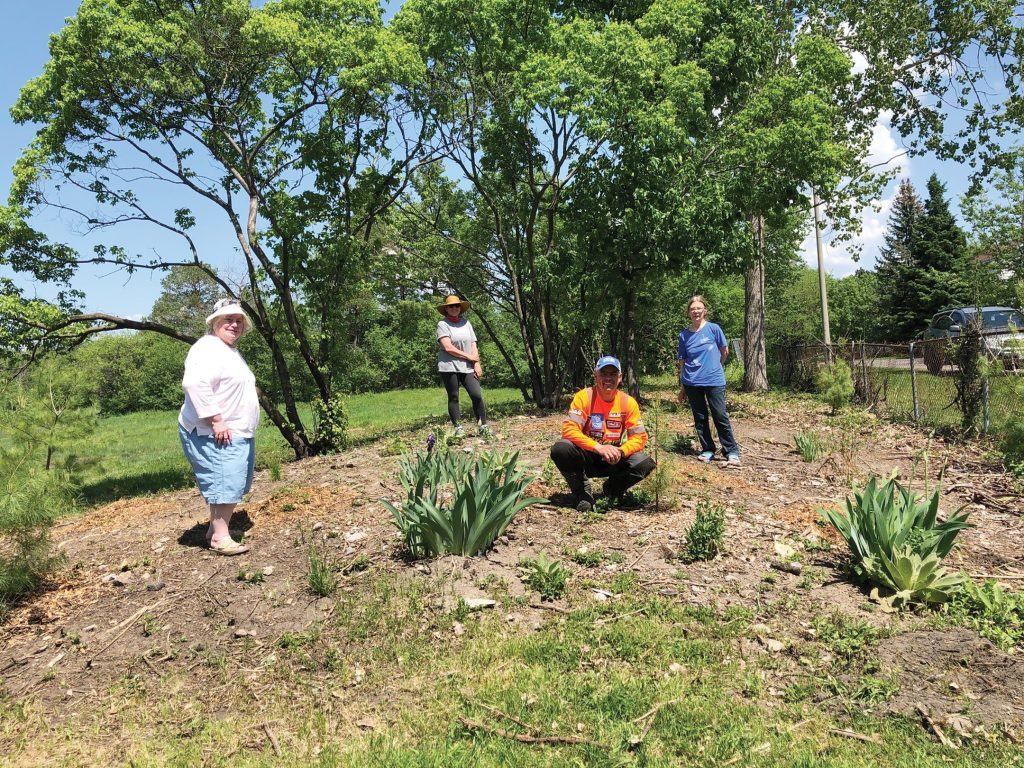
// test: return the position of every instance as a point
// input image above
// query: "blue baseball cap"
(607, 360)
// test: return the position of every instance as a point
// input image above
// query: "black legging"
(451, 380)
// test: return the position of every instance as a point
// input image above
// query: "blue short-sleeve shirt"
(701, 353)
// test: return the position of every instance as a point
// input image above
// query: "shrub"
(1012, 443)
(29, 505)
(834, 383)
(898, 543)
(704, 539)
(808, 444)
(547, 576)
(457, 503)
(331, 420)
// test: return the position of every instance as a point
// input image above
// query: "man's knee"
(565, 453)
(642, 465)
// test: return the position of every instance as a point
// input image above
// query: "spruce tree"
(898, 319)
(938, 279)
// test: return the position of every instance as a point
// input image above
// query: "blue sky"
(25, 53)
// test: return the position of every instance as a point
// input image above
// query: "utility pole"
(822, 289)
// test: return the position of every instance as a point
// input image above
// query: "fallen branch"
(525, 738)
(125, 626)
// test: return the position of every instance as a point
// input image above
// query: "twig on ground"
(544, 607)
(1006, 576)
(125, 626)
(934, 727)
(273, 739)
(753, 751)
(498, 713)
(607, 619)
(641, 557)
(870, 739)
(650, 716)
(473, 725)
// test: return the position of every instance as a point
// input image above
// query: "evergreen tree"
(897, 315)
(938, 251)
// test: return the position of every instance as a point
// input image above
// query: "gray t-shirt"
(462, 336)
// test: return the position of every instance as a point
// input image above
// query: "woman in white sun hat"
(217, 423)
(458, 362)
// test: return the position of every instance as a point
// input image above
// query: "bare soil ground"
(142, 597)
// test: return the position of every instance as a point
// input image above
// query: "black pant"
(571, 459)
(451, 380)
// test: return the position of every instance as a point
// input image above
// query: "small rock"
(601, 595)
(358, 675)
(459, 628)
(695, 589)
(479, 603)
(354, 536)
(268, 570)
(773, 645)
(676, 669)
(731, 577)
(317, 526)
(760, 629)
(368, 724)
(244, 633)
(90, 628)
(155, 586)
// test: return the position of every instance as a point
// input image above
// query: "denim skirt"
(224, 472)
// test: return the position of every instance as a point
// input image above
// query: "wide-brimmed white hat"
(226, 307)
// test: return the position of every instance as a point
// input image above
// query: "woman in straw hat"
(217, 423)
(458, 362)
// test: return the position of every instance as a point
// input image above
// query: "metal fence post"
(985, 421)
(913, 384)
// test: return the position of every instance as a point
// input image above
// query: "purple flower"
(431, 442)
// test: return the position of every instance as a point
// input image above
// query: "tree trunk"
(755, 373)
(627, 342)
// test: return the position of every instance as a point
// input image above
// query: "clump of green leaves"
(331, 420)
(546, 575)
(588, 558)
(898, 542)
(834, 383)
(809, 445)
(846, 637)
(705, 537)
(393, 447)
(458, 503)
(320, 572)
(992, 612)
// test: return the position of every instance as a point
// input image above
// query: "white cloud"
(886, 153)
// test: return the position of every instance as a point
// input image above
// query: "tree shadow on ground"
(113, 488)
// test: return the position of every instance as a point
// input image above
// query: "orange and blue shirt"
(592, 420)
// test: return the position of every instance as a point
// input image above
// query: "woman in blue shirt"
(701, 356)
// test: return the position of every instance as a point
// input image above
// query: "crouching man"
(599, 419)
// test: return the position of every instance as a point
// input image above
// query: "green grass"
(139, 453)
(386, 656)
(935, 397)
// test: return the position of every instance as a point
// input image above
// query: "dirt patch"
(143, 597)
(956, 676)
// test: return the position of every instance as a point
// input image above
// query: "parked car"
(1002, 329)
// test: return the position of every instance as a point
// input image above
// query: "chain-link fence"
(928, 381)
